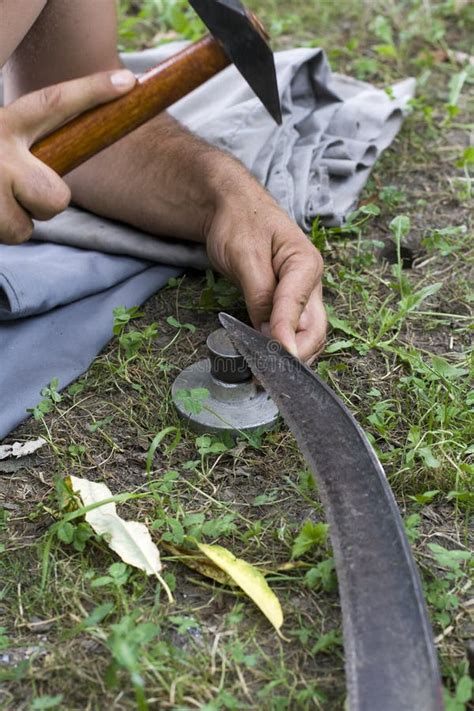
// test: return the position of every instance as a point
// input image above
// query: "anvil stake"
(236, 37)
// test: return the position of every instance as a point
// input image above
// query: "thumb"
(37, 114)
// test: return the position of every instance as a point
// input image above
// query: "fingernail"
(292, 348)
(123, 79)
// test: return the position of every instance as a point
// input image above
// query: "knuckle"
(262, 298)
(60, 198)
(49, 192)
(279, 324)
(16, 231)
(50, 97)
(8, 138)
(311, 259)
(96, 87)
(4, 128)
(318, 262)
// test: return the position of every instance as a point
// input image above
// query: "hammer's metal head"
(245, 41)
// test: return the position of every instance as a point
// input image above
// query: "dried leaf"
(18, 449)
(249, 579)
(195, 561)
(131, 540)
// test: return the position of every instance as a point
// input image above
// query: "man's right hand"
(29, 188)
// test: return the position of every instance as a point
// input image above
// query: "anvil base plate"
(230, 407)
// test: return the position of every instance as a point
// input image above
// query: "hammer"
(236, 37)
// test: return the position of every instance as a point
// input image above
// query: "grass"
(79, 630)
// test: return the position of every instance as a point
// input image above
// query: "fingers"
(28, 188)
(16, 225)
(40, 190)
(39, 113)
(311, 333)
(258, 287)
(299, 269)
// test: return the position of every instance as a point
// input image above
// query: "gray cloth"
(62, 342)
(53, 275)
(56, 300)
(79, 228)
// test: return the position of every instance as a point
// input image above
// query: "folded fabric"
(81, 229)
(63, 342)
(53, 275)
(56, 300)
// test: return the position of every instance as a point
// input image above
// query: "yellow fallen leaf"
(249, 579)
(131, 540)
(191, 559)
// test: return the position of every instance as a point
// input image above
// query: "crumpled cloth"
(58, 291)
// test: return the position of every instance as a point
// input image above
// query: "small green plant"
(51, 397)
(41, 703)
(441, 592)
(400, 228)
(321, 236)
(446, 240)
(4, 640)
(128, 643)
(172, 321)
(193, 399)
(123, 317)
(426, 497)
(193, 527)
(467, 164)
(412, 527)
(155, 21)
(218, 293)
(327, 642)
(365, 67)
(76, 451)
(310, 535)
(392, 196)
(131, 341)
(323, 576)
(208, 444)
(117, 577)
(75, 534)
(462, 695)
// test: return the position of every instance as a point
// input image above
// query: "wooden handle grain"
(91, 132)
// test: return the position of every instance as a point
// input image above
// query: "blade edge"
(282, 375)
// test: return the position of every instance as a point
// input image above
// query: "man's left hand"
(254, 243)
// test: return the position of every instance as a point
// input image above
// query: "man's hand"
(165, 181)
(254, 243)
(28, 188)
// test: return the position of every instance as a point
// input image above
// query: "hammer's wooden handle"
(91, 132)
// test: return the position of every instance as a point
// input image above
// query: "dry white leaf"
(131, 540)
(19, 449)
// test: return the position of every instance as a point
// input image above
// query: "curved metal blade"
(391, 660)
(245, 42)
